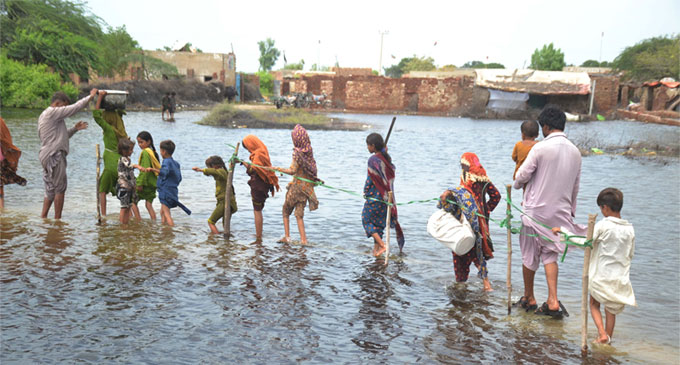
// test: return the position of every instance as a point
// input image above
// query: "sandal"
(555, 314)
(523, 303)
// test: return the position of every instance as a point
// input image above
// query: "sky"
(349, 32)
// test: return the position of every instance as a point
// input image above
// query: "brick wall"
(606, 93)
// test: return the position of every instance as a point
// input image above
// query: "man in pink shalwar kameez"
(551, 173)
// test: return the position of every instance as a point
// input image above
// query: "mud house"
(201, 66)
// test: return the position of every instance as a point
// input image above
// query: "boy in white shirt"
(610, 258)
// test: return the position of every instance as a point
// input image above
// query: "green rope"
(505, 223)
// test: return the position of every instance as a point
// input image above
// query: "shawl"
(259, 155)
(474, 180)
(154, 161)
(382, 173)
(116, 121)
(10, 152)
(303, 153)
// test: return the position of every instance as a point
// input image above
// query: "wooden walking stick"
(387, 228)
(584, 286)
(99, 212)
(390, 130)
(226, 220)
(508, 189)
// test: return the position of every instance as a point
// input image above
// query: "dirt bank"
(267, 116)
(147, 95)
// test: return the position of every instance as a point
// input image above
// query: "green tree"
(295, 66)
(448, 68)
(268, 54)
(316, 67)
(480, 64)
(420, 64)
(650, 59)
(590, 63)
(547, 58)
(117, 48)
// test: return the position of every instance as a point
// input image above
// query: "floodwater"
(75, 291)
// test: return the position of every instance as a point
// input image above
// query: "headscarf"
(475, 173)
(382, 173)
(113, 117)
(152, 156)
(303, 153)
(10, 152)
(259, 155)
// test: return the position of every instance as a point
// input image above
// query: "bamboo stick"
(387, 227)
(226, 220)
(508, 284)
(99, 212)
(584, 286)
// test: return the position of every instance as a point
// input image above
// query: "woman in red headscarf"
(9, 161)
(474, 179)
(262, 181)
(299, 191)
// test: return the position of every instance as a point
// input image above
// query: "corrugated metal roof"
(534, 82)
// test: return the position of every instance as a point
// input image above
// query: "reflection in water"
(381, 324)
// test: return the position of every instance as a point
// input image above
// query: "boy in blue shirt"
(169, 177)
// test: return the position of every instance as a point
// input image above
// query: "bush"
(266, 83)
(30, 86)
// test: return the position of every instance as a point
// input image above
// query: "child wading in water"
(299, 192)
(610, 259)
(146, 181)
(125, 188)
(529, 134)
(262, 181)
(216, 169)
(379, 182)
(169, 177)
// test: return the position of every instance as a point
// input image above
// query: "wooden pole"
(387, 227)
(226, 220)
(390, 130)
(584, 286)
(99, 212)
(508, 284)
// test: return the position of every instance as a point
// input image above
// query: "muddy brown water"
(74, 291)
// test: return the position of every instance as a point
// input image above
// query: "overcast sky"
(349, 31)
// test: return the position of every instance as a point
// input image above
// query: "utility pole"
(382, 36)
(318, 57)
(600, 59)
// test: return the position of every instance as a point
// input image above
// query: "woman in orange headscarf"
(9, 161)
(262, 180)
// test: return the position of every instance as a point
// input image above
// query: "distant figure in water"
(9, 161)
(262, 181)
(171, 106)
(215, 167)
(165, 105)
(379, 182)
(610, 259)
(169, 177)
(299, 192)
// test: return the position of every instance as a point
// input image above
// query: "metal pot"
(114, 99)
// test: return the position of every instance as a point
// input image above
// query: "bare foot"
(303, 242)
(603, 340)
(284, 240)
(487, 285)
(379, 251)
